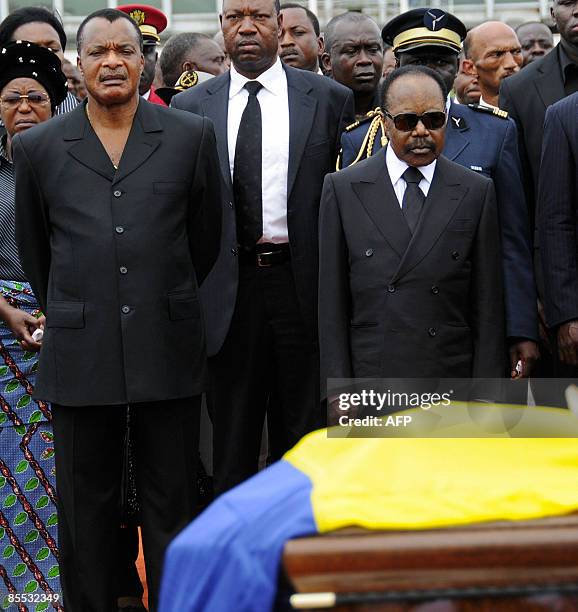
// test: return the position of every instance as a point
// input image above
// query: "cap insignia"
(138, 16)
(435, 19)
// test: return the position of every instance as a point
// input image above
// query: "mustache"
(108, 76)
(421, 143)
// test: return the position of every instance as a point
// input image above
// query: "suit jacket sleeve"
(487, 293)
(557, 221)
(521, 300)
(205, 211)
(334, 315)
(508, 103)
(32, 225)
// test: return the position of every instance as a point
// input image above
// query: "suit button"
(117, 193)
(119, 229)
(369, 252)
(234, 251)
(231, 204)
(123, 270)
(435, 290)
(455, 255)
(125, 309)
(431, 331)
(391, 288)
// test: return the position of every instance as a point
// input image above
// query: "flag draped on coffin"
(229, 557)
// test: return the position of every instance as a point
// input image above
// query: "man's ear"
(326, 63)
(79, 65)
(320, 45)
(279, 24)
(468, 67)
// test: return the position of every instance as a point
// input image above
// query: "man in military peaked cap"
(483, 140)
(151, 22)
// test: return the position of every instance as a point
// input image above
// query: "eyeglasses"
(33, 98)
(406, 122)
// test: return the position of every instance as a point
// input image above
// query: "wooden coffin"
(490, 567)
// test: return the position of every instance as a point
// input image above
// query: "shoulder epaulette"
(368, 117)
(489, 110)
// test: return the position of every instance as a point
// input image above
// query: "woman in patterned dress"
(31, 86)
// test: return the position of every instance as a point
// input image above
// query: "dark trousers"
(89, 460)
(269, 362)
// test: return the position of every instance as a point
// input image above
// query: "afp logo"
(435, 19)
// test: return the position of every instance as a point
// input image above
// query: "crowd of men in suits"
(211, 246)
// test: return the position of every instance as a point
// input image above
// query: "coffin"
(490, 567)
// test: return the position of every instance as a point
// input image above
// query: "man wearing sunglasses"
(483, 140)
(408, 284)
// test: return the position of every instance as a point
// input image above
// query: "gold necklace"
(89, 120)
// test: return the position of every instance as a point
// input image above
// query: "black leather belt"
(266, 255)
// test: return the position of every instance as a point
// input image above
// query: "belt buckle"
(262, 264)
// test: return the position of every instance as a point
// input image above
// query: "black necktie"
(247, 187)
(413, 198)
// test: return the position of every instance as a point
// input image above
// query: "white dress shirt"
(396, 167)
(274, 103)
(485, 104)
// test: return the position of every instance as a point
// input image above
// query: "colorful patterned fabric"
(28, 520)
(229, 557)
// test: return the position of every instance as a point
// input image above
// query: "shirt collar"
(396, 167)
(485, 104)
(272, 80)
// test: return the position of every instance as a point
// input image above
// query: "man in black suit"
(408, 283)
(527, 95)
(118, 221)
(278, 131)
(558, 197)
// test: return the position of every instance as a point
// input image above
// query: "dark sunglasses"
(406, 122)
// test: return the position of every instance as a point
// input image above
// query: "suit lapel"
(216, 107)
(377, 196)
(142, 142)
(549, 82)
(457, 133)
(86, 148)
(441, 203)
(302, 109)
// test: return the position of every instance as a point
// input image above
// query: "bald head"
(492, 52)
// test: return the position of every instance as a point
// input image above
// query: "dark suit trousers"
(89, 458)
(269, 362)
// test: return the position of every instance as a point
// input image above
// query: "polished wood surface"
(521, 565)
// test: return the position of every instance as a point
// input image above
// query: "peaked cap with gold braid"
(424, 27)
(150, 20)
